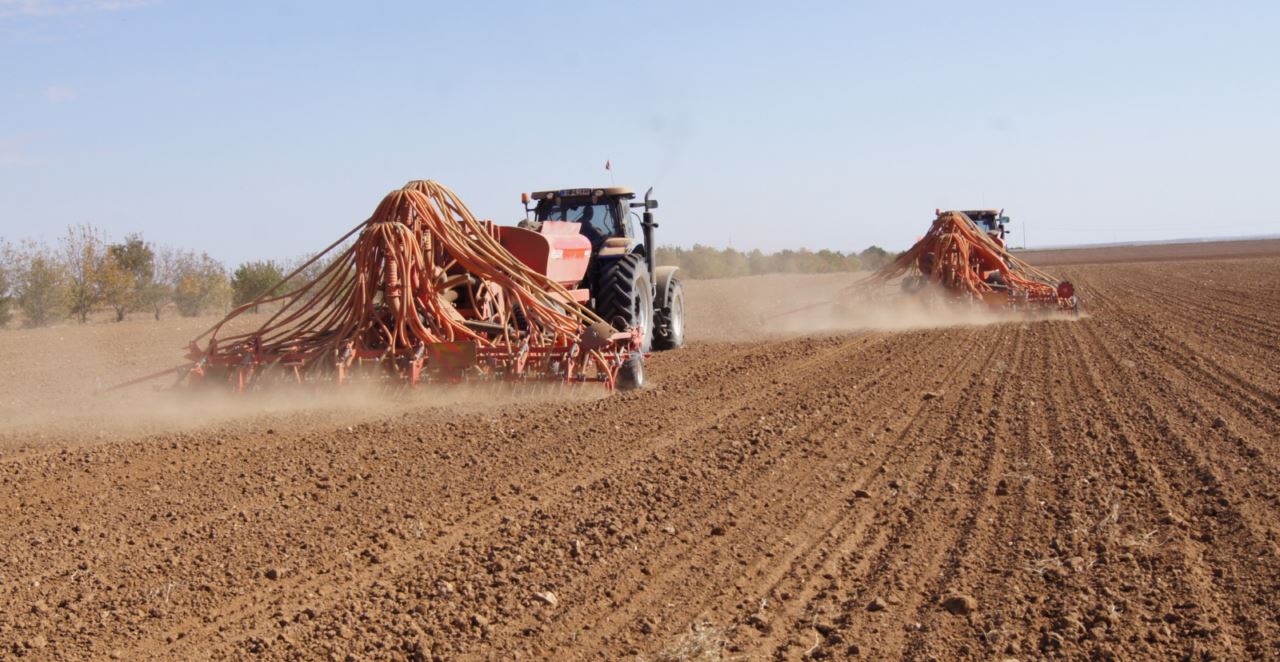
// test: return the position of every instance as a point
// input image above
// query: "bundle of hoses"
(956, 254)
(392, 292)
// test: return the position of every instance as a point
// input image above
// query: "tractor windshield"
(988, 221)
(598, 220)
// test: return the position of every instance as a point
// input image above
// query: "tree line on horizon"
(84, 273)
(708, 262)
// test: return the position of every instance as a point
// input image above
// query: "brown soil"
(1105, 487)
(1201, 250)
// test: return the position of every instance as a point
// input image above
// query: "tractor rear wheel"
(624, 297)
(669, 319)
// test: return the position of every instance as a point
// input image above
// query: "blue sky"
(265, 129)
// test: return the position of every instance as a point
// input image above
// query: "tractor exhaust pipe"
(647, 224)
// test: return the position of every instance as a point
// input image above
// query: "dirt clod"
(959, 604)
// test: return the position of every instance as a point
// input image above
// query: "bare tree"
(165, 282)
(8, 264)
(84, 253)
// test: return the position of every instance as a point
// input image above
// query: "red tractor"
(964, 254)
(425, 292)
(586, 240)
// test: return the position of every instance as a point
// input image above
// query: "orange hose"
(386, 294)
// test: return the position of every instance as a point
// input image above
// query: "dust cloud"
(85, 414)
(787, 305)
(56, 376)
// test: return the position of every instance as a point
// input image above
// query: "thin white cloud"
(60, 93)
(64, 7)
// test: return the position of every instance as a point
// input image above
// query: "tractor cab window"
(989, 222)
(598, 220)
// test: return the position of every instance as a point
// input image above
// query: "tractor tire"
(631, 373)
(668, 328)
(624, 297)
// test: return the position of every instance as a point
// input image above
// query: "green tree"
(707, 262)
(252, 279)
(133, 263)
(116, 287)
(200, 284)
(40, 286)
(875, 257)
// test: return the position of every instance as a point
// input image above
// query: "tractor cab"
(992, 221)
(603, 214)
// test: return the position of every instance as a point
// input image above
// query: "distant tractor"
(964, 255)
(597, 254)
(992, 221)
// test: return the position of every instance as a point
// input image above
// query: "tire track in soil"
(1021, 543)
(925, 556)
(1238, 400)
(246, 608)
(158, 471)
(1168, 476)
(1228, 404)
(1196, 414)
(1071, 607)
(836, 536)
(870, 554)
(789, 553)
(1201, 326)
(252, 598)
(1131, 524)
(721, 430)
(673, 582)
(930, 634)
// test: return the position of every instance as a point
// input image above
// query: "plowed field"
(1105, 487)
